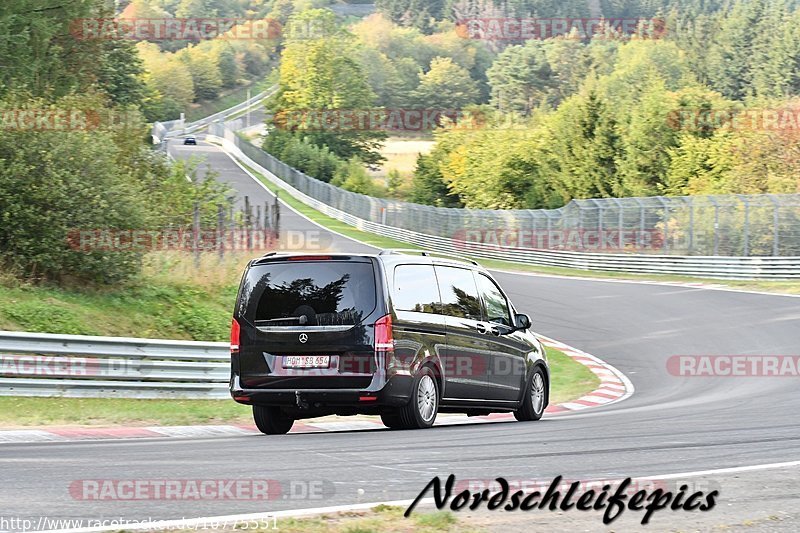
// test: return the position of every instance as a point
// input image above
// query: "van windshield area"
(305, 294)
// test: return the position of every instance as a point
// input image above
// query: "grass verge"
(570, 381)
(170, 299)
(779, 287)
(380, 519)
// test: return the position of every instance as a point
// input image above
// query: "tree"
(169, 83)
(730, 67)
(445, 86)
(520, 78)
(321, 74)
(354, 178)
(204, 71)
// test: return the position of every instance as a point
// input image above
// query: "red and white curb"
(614, 387)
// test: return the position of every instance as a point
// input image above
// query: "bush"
(54, 183)
(317, 162)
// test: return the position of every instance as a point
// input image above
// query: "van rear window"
(298, 294)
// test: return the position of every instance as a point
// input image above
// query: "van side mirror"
(522, 322)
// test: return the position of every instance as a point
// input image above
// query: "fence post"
(666, 223)
(640, 237)
(196, 234)
(247, 221)
(258, 232)
(775, 227)
(746, 225)
(691, 226)
(600, 214)
(277, 210)
(221, 232)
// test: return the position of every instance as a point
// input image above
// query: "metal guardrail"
(374, 215)
(224, 114)
(76, 366)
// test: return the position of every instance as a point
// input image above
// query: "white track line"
(194, 523)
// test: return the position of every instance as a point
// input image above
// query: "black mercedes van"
(402, 334)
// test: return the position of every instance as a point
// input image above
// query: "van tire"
(534, 400)
(271, 420)
(424, 401)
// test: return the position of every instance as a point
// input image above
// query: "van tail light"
(235, 329)
(384, 337)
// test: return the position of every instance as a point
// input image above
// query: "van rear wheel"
(271, 420)
(420, 413)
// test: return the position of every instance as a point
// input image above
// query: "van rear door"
(307, 323)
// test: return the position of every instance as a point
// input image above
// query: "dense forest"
(564, 117)
(709, 106)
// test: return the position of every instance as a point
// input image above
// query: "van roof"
(386, 256)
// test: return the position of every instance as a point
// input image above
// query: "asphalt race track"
(671, 424)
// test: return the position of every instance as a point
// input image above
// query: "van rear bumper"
(395, 392)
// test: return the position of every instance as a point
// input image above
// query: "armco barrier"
(75, 366)
(718, 267)
(224, 114)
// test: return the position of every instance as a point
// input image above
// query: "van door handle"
(481, 328)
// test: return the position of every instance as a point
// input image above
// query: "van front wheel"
(533, 401)
(271, 420)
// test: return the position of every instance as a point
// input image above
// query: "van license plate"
(306, 361)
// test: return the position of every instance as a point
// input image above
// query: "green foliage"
(354, 178)
(54, 183)
(45, 316)
(319, 74)
(316, 161)
(445, 86)
(44, 54)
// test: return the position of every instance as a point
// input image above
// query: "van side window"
(497, 310)
(459, 292)
(415, 289)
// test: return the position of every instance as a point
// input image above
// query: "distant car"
(398, 335)
(191, 139)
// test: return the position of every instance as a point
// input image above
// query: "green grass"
(780, 287)
(119, 412)
(380, 519)
(169, 300)
(570, 380)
